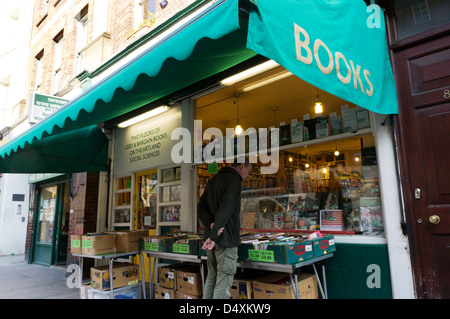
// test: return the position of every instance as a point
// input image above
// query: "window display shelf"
(122, 202)
(169, 198)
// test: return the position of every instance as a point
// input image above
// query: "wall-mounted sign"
(42, 106)
(147, 144)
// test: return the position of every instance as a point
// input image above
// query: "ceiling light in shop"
(144, 116)
(266, 66)
(268, 80)
(318, 108)
(238, 129)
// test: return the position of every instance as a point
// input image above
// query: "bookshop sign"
(146, 144)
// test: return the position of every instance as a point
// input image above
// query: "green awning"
(210, 44)
(81, 150)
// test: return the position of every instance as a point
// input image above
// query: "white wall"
(15, 23)
(13, 225)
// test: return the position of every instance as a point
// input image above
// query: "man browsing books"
(218, 210)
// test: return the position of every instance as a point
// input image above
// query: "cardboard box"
(153, 243)
(282, 254)
(167, 277)
(98, 244)
(185, 246)
(323, 246)
(124, 274)
(75, 244)
(164, 293)
(242, 287)
(278, 286)
(182, 295)
(128, 240)
(292, 253)
(190, 281)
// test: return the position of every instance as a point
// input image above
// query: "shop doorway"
(52, 224)
(423, 78)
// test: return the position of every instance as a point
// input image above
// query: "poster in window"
(331, 220)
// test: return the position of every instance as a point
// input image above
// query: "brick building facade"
(72, 44)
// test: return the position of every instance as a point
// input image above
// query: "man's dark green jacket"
(221, 204)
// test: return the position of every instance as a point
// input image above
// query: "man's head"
(244, 169)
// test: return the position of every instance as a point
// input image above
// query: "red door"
(423, 130)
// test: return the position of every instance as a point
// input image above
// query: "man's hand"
(208, 245)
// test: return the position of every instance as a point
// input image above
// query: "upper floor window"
(57, 62)
(82, 23)
(45, 7)
(144, 13)
(39, 67)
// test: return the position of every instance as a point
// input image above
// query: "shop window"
(326, 174)
(169, 203)
(122, 203)
(47, 208)
(147, 190)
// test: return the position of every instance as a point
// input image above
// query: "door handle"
(434, 219)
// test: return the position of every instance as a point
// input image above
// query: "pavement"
(20, 280)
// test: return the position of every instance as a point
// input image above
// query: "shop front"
(318, 133)
(321, 161)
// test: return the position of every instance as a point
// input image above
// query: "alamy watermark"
(73, 279)
(263, 146)
(374, 19)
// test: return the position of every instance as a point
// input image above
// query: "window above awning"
(208, 44)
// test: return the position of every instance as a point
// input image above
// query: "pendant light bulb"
(238, 129)
(318, 108)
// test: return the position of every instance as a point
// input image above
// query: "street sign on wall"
(42, 106)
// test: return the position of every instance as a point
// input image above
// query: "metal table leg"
(152, 274)
(202, 274)
(141, 262)
(319, 283)
(294, 284)
(324, 281)
(111, 260)
(80, 275)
